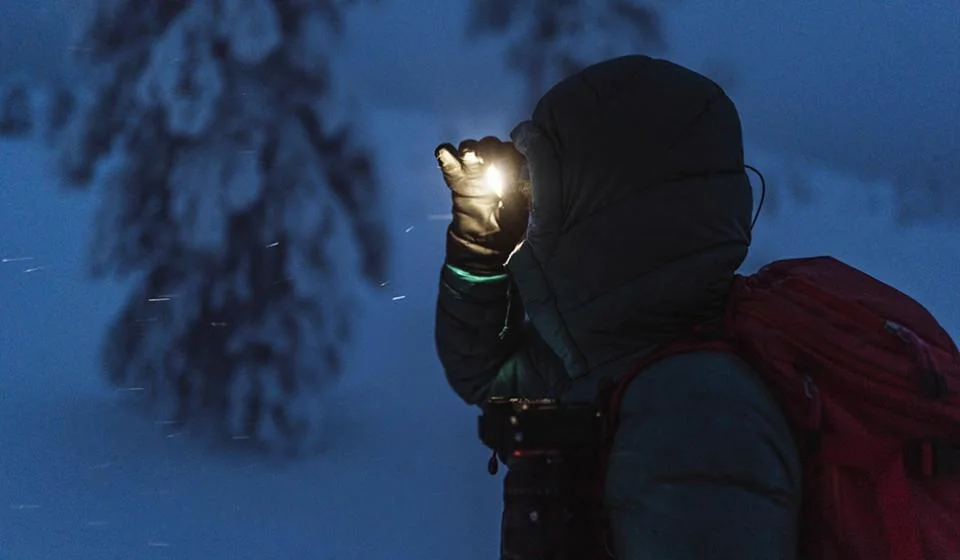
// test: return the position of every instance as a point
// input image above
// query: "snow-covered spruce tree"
(550, 39)
(245, 215)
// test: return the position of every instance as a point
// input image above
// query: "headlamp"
(493, 180)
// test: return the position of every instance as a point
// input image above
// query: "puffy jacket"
(649, 218)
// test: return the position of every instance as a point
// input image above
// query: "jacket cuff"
(479, 288)
(475, 278)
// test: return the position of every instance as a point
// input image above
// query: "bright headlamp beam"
(493, 180)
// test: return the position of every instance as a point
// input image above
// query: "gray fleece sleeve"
(704, 466)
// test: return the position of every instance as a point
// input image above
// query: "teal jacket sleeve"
(703, 466)
(484, 343)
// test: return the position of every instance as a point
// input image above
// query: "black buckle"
(932, 458)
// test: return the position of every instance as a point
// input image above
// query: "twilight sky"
(866, 88)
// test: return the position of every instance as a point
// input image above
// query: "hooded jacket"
(640, 217)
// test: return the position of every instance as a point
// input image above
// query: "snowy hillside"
(82, 476)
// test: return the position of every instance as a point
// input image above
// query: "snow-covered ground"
(84, 476)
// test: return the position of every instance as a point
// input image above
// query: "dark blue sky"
(868, 88)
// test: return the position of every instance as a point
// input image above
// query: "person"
(638, 216)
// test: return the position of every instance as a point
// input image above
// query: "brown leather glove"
(486, 226)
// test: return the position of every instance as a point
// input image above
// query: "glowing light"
(493, 180)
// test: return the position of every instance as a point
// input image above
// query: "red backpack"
(870, 382)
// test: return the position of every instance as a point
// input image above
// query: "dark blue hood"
(641, 209)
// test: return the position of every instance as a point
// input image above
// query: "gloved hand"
(486, 227)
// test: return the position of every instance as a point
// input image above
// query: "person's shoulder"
(698, 379)
(713, 403)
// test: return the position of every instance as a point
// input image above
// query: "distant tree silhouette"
(550, 39)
